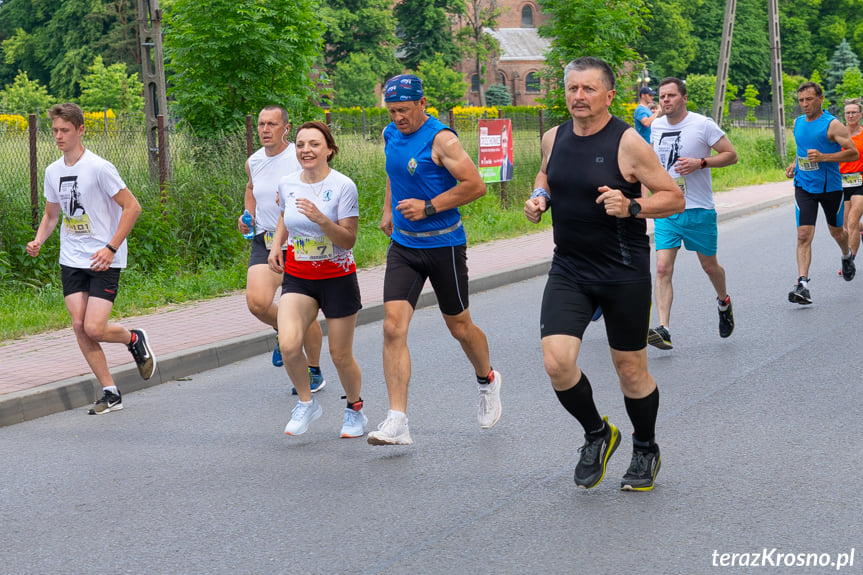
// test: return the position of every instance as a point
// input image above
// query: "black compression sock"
(642, 412)
(578, 400)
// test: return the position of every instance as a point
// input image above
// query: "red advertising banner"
(495, 150)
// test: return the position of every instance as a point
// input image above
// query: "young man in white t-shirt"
(684, 142)
(98, 211)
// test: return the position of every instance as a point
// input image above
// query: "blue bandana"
(403, 88)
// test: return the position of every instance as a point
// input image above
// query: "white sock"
(112, 388)
(397, 415)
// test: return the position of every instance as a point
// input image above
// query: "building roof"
(520, 44)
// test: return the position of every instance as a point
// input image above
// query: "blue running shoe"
(597, 314)
(316, 380)
(302, 415)
(277, 354)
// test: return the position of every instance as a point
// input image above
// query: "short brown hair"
(328, 136)
(70, 112)
(808, 85)
(681, 85)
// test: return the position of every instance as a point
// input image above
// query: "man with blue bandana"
(822, 142)
(429, 175)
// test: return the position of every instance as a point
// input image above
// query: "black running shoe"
(659, 337)
(107, 403)
(642, 471)
(595, 453)
(800, 294)
(849, 270)
(726, 317)
(140, 350)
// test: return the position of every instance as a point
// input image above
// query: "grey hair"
(591, 63)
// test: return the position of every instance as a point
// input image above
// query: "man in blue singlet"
(429, 175)
(822, 142)
(593, 167)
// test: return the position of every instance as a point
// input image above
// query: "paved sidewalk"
(46, 373)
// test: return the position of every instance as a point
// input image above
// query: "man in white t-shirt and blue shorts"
(98, 211)
(684, 142)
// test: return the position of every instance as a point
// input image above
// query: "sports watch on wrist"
(430, 209)
(634, 207)
(703, 163)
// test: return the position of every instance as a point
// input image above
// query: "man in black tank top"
(593, 167)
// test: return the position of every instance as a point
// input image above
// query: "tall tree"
(110, 87)
(669, 39)
(843, 59)
(601, 28)
(475, 41)
(425, 30)
(367, 27)
(238, 56)
(56, 40)
(444, 87)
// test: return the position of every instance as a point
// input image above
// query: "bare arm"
(638, 162)
(248, 202)
(276, 259)
(535, 207)
(726, 155)
(448, 152)
(387, 212)
(46, 228)
(837, 132)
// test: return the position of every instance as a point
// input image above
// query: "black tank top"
(591, 246)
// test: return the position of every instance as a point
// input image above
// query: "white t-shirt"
(335, 196)
(693, 137)
(266, 172)
(89, 216)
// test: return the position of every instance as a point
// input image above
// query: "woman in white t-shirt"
(320, 215)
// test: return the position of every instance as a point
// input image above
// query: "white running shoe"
(354, 423)
(489, 402)
(302, 415)
(391, 431)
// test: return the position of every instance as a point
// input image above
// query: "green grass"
(189, 249)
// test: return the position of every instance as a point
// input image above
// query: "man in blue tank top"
(820, 140)
(592, 171)
(429, 175)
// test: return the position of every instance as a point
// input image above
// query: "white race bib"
(313, 249)
(681, 183)
(78, 225)
(268, 241)
(804, 165)
(852, 180)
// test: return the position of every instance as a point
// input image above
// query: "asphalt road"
(760, 435)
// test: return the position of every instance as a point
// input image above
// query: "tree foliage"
(354, 81)
(444, 87)
(843, 59)
(851, 85)
(601, 28)
(25, 96)
(360, 27)
(107, 87)
(238, 56)
(669, 38)
(56, 40)
(425, 30)
(475, 42)
(498, 95)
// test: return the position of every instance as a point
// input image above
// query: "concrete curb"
(77, 392)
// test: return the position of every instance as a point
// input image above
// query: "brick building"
(521, 54)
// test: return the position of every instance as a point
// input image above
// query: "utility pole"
(724, 59)
(153, 77)
(776, 79)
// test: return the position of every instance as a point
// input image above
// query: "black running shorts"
(102, 284)
(445, 267)
(567, 308)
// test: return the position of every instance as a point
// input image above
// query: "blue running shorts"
(696, 228)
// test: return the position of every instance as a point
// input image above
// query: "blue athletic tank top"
(413, 174)
(591, 246)
(816, 177)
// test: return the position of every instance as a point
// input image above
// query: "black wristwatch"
(430, 209)
(634, 207)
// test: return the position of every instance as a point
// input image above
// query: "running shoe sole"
(627, 487)
(794, 297)
(656, 340)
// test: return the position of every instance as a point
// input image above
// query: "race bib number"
(268, 240)
(681, 183)
(313, 249)
(805, 165)
(852, 180)
(78, 225)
